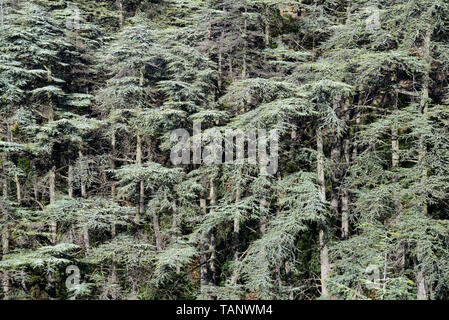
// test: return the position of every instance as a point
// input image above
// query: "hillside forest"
(350, 100)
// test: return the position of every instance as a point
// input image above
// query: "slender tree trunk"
(157, 230)
(2, 13)
(52, 192)
(336, 168)
(83, 185)
(72, 232)
(345, 191)
(35, 184)
(236, 239)
(245, 45)
(358, 119)
(336, 160)
(5, 180)
(324, 254)
(395, 154)
(220, 61)
(267, 26)
(70, 181)
(18, 188)
(175, 231)
(5, 274)
(119, 4)
(213, 202)
(141, 183)
(204, 274)
(424, 105)
(86, 239)
(113, 188)
(114, 279)
(231, 72)
(5, 233)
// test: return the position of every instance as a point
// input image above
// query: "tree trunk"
(267, 26)
(70, 181)
(114, 279)
(245, 45)
(119, 4)
(35, 184)
(72, 232)
(175, 231)
(324, 255)
(220, 62)
(2, 13)
(113, 190)
(231, 72)
(18, 188)
(204, 274)
(424, 105)
(345, 191)
(395, 154)
(5, 233)
(52, 192)
(5, 250)
(86, 239)
(236, 240)
(5, 180)
(141, 183)
(157, 231)
(213, 202)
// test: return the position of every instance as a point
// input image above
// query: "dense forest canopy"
(355, 207)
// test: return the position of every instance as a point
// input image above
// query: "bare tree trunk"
(5, 234)
(72, 232)
(267, 26)
(204, 274)
(5, 274)
(86, 239)
(324, 254)
(141, 183)
(245, 45)
(231, 72)
(424, 105)
(119, 4)
(213, 202)
(336, 168)
(236, 240)
(35, 184)
(157, 230)
(420, 277)
(114, 279)
(52, 192)
(395, 154)
(220, 62)
(345, 192)
(18, 188)
(83, 185)
(335, 157)
(357, 125)
(5, 180)
(113, 191)
(175, 231)
(2, 13)
(70, 181)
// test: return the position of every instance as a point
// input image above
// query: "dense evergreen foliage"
(90, 92)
